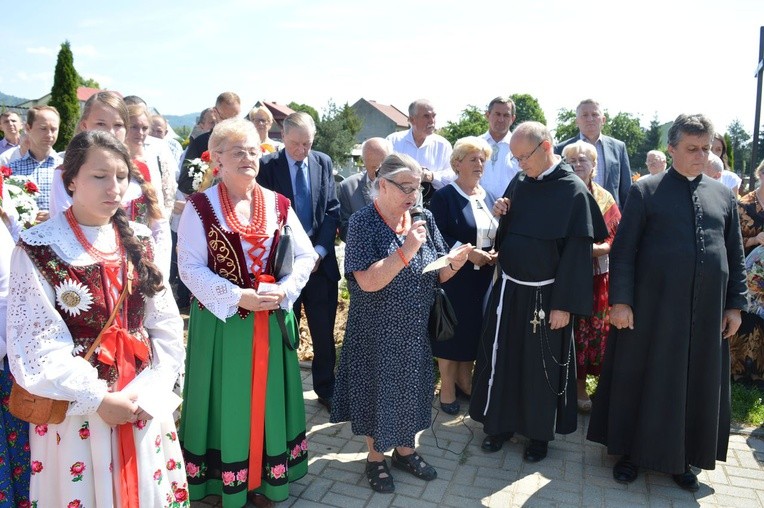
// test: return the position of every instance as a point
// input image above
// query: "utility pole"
(757, 121)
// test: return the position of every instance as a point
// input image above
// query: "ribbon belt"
(495, 348)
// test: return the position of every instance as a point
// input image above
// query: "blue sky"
(652, 57)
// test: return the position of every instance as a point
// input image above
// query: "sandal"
(625, 471)
(377, 482)
(415, 465)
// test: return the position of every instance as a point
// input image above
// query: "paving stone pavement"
(575, 473)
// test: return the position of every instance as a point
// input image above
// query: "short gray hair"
(394, 164)
(299, 120)
(414, 105)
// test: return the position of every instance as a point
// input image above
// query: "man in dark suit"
(306, 178)
(613, 168)
(227, 105)
(354, 192)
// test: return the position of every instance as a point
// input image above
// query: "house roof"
(84, 93)
(393, 113)
(279, 111)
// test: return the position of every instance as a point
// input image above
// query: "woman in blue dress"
(463, 215)
(385, 378)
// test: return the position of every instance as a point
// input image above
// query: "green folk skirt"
(214, 429)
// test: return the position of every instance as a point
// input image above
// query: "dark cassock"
(677, 259)
(525, 374)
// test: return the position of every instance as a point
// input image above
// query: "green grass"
(747, 406)
(747, 402)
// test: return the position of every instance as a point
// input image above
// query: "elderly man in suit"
(613, 169)
(306, 178)
(353, 191)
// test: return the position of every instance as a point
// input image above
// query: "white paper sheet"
(154, 402)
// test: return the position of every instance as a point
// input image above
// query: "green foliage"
(90, 82)
(652, 141)
(747, 406)
(625, 127)
(183, 132)
(527, 108)
(336, 131)
(472, 122)
(305, 109)
(566, 125)
(63, 96)
(738, 147)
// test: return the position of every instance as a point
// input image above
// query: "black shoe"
(415, 465)
(687, 480)
(452, 408)
(535, 451)
(461, 394)
(625, 471)
(494, 442)
(327, 403)
(378, 482)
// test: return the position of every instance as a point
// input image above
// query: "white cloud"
(42, 50)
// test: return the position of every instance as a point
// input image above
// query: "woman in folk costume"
(67, 277)
(243, 424)
(14, 433)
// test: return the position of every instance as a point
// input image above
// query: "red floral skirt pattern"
(591, 331)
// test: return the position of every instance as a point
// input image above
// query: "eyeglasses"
(259, 120)
(403, 189)
(241, 153)
(526, 157)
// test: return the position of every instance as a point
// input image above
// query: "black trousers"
(319, 297)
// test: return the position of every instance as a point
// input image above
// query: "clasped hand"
(118, 408)
(254, 301)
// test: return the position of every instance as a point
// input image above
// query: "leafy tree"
(527, 108)
(306, 109)
(336, 131)
(472, 122)
(739, 146)
(90, 82)
(730, 152)
(651, 141)
(625, 127)
(63, 96)
(566, 125)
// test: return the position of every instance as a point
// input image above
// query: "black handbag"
(442, 317)
(283, 254)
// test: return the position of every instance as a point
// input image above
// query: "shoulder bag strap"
(127, 289)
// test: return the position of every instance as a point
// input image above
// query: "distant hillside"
(10, 100)
(177, 121)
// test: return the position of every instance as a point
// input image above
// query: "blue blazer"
(274, 175)
(617, 168)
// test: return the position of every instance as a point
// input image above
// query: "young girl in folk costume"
(14, 433)
(155, 160)
(106, 111)
(67, 276)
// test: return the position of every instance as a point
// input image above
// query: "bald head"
(373, 152)
(714, 166)
(656, 162)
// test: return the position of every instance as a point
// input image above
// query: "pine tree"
(63, 96)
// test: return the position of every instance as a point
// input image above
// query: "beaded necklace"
(398, 230)
(107, 258)
(256, 224)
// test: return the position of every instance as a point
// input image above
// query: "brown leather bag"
(42, 410)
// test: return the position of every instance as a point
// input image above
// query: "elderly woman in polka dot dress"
(385, 378)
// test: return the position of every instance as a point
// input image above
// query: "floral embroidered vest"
(225, 256)
(81, 302)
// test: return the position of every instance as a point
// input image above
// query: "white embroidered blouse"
(40, 347)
